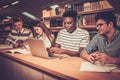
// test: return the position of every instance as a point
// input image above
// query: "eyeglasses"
(99, 25)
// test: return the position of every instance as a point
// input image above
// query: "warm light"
(30, 16)
(15, 2)
(8, 17)
(5, 6)
(54, 6)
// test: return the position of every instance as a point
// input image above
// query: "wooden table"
(28, 67)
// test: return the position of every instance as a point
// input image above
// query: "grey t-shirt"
(99, 43)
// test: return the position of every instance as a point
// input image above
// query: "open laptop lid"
(37, 48)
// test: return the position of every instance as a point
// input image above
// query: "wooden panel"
(12, 70)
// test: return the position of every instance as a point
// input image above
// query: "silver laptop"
(38, 48)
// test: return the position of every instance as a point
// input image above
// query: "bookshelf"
(4, 30)
(86, 14)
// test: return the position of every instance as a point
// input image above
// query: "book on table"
(17, 50)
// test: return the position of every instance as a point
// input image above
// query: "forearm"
(56, 45)
(71, 53)
(115, 61)
(84, 55)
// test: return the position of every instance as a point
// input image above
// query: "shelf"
(89, 28)
(6, 24)
(55, 29)
(95, 11)
(88, 16)
(80, 13)
(52, 17)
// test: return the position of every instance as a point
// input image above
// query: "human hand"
(92, 57)
(18, 44)
(104, 58)
(55, 50)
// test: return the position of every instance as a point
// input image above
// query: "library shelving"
(86, 14)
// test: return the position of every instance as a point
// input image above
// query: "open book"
(97, 67)
(18, 50)
(3, 46)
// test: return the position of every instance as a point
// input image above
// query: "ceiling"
(34, 7)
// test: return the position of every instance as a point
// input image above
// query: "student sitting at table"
(70, 40)
(18, 34)
(43, 33)
(105, 46)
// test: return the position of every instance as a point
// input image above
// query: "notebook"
(97, 67)
(38, 48)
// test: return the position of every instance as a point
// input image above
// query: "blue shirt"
(99, 43)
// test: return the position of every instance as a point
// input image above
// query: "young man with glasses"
(105, 46)
(18, 34)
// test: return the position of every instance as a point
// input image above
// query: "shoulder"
(26, 29)
(62, 31)
(13, 31)
(98, 36)
(82, 30)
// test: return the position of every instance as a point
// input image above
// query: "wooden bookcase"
(86, 13)
(4, 30)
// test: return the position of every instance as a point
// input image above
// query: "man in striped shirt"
(18, 34)
(72, 39)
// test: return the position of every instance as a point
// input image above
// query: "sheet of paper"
(87, 66)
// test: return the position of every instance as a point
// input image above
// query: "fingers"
(101, 58)
(91, 59)
(53, 50)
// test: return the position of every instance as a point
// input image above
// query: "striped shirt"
(14, 35)
(73, 41)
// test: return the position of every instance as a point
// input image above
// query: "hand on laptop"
(56, 50)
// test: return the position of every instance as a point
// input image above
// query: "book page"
(97, 67)
(18, 50)
(2, 46)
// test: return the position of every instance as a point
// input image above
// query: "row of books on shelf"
(87, 20)
(57, 22)
(91, 6)
(118, 19)
(88, 6)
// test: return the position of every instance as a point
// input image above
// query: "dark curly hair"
(72, 14)
(107, 16)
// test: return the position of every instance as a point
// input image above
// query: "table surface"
(67, 68)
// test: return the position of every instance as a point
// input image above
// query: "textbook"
(17, 50)
(3, 46)
(97, 67)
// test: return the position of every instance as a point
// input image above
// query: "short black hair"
(16, 19)
(72, 14)
(107, 17)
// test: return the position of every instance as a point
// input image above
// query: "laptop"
(38, 48)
